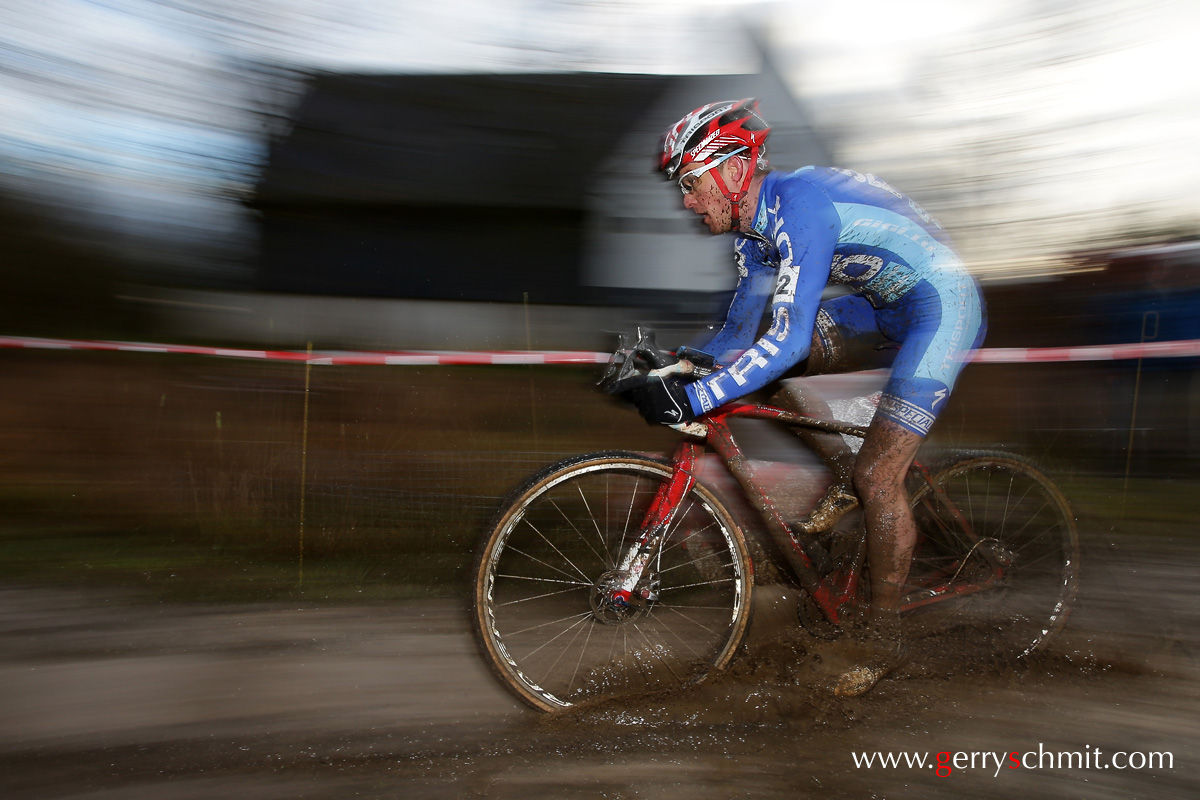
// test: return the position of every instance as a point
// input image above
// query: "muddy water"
(105, 696)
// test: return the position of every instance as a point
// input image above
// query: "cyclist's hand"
(660, 400)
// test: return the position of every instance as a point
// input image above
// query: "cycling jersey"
(823, 225)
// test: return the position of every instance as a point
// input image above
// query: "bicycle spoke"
(696, 561)
(582, 538)
(579, 661)
(605, 559)
(1026, 564)
(693, 621)
(695, 655)
(655, 652)
(540, 596)
(667, 589)
(550, 669)
(554, 547)
(629, 514)
(549, 566)
(1031, 540)
(683, 542)
(541, 580)
(579, 619)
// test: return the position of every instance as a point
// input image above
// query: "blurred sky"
(1033, 126)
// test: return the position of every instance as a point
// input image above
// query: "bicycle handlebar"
(645, 357)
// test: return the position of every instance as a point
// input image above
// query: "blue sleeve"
(755, 280)
(803, 227)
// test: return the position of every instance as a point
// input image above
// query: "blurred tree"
(57, 287)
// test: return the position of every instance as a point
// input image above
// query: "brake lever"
(622, 364)
(615, 361)
(647, 348)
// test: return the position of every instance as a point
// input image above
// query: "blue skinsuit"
(823, 225)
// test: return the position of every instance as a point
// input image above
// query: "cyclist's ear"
(735, 170)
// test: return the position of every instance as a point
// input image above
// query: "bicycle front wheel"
(997, 555)
(552, 553)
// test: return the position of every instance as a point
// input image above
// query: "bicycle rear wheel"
(997, 555)
(541, 574)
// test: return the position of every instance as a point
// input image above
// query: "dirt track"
(107, 697)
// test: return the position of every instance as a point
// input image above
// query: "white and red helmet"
(710, 129)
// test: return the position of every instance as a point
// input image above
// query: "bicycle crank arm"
(937, 594)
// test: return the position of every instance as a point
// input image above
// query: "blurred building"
(488, 210)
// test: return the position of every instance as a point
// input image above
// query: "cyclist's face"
(705, 199)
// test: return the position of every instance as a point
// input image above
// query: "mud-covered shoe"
(839, 499)
(859, 680)
(883, 651)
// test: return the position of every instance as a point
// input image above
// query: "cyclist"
(910, 299)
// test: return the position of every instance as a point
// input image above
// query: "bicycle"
(617, 573)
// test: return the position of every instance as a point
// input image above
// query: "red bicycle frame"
(831, 585)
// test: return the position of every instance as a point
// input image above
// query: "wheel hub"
(612, 605)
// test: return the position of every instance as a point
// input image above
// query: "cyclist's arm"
(755, 281)
(806, 250)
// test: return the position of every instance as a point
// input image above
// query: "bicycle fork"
(623, 589)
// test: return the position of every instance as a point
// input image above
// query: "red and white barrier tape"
(996, 355)
(1098, 352)
(382, 358)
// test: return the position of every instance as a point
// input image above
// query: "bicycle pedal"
(995, 552)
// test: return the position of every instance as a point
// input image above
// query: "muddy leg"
(831, 448)
(886, 454)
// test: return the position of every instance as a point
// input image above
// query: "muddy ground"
(108, 696)
(156, 640)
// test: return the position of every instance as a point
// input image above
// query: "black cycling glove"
(661, 401)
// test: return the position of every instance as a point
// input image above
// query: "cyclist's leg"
(845, 338)
(887, 452)
(938, 327)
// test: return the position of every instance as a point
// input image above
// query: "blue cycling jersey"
(823, 225)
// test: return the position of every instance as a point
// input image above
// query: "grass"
(182, 477)
(186, 565)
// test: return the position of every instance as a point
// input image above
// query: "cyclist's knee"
(873, 481)
(796, 396)
(882, 464)
(784, 397)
